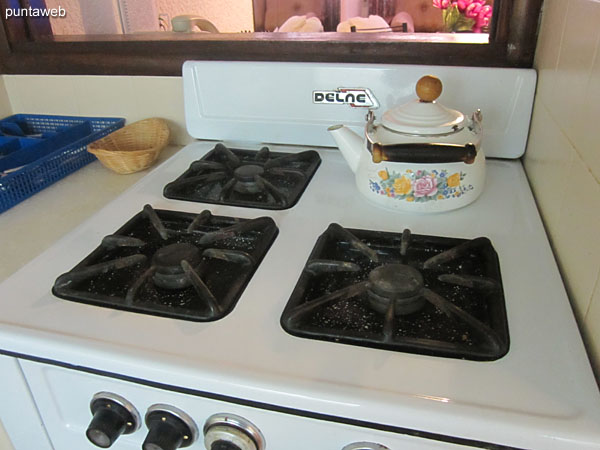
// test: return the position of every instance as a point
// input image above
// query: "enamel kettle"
(422, 157)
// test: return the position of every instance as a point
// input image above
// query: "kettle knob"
(429, 88)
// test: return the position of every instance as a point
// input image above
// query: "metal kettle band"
(423, 153)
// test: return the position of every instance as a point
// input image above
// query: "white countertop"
(33, 225)
(26, 233)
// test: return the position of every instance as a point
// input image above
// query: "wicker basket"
(132, 148)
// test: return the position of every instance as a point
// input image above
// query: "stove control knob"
(113, 416)
(231, 432)
(169, 428)
(365, 446)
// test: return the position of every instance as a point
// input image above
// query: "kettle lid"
(424, 116)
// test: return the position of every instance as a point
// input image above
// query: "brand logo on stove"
(355, 97)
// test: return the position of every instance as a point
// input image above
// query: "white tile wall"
(591, 325)
(563, 155)
(134, 98)
(547, 162)
(576, 235)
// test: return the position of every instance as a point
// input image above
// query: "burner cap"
(399, 283)
(396, 281)
(167, 260)
(246, 173)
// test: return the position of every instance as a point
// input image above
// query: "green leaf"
(451, 16)
(455, 21)
(464, 24)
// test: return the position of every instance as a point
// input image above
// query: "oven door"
(63, 398)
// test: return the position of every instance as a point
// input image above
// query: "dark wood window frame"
(26, 47)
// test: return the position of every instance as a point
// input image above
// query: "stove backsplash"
(504, 95)
(241, 100)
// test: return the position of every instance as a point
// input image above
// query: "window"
(39, 44)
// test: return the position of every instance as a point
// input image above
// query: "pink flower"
(441, 4)
(483, 18)
(425, 186)
(462, 4)
(472, 11)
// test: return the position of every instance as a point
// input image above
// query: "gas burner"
(396, 283)
(171, 263)
(167, 260)
(256, 179)
(419, 294)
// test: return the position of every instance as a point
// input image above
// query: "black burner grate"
(396, 291)
(255, 179)
(170, 263)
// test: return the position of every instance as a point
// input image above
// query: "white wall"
(5, 108)
(563, 156)
(134, 98)
(229, 16)
(5, 443)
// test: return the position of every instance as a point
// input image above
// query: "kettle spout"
(349, 143)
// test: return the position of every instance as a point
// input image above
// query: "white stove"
(247, 382)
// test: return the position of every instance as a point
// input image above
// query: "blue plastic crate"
(50, 148)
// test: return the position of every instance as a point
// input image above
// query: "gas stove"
(339, 325)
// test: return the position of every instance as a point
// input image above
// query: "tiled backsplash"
(563, 155)
(134, 98)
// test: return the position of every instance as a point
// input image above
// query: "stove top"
(255, 179)
(172, 264)
(540, 394)
(398, 291)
